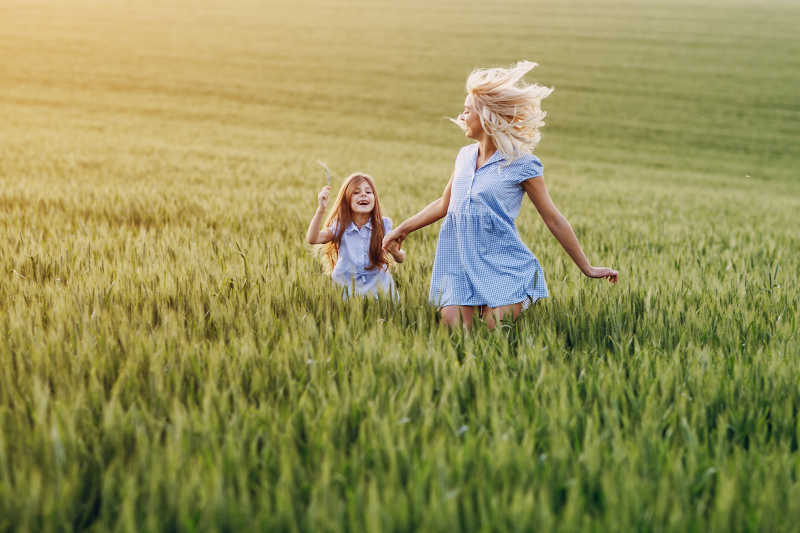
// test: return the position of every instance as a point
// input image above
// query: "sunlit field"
(173, 357)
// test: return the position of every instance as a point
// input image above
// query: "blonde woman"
(481, 263)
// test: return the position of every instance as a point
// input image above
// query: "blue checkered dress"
(480, 258)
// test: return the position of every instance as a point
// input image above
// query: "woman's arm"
(429, 214)
(314, 235)
(561, 229)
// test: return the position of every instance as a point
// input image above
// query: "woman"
(481, 263)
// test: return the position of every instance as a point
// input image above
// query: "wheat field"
(173, 356)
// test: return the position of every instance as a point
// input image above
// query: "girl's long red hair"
(342, 215)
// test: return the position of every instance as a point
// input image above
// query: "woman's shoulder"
(465, 155)
(527, 165)
(529, 159)
(387, 224)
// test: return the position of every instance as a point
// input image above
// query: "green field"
(172, 356)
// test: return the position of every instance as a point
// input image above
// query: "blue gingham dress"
(480, 258)
(351, 266)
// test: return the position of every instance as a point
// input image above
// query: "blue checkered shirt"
(351, 266)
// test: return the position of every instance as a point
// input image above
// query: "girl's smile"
(363, 200)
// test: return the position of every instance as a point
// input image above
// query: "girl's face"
(471, 121)
(363, 199)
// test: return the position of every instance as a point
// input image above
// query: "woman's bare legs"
(453, 315)
(493, 315)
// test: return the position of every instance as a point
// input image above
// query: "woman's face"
(471, 120)
(363, 199)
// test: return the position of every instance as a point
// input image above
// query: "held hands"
(394, 249)
(602, 272)
(322, 197)
(392, 242)
(393, 239)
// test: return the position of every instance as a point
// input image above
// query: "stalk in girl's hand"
(322, 197)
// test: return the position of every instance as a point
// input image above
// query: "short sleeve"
(528, 167)
(387, 225)
(334, 227)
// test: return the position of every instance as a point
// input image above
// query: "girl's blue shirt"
(480, 258)
(351, 266)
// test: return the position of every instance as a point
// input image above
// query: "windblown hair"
(342, 215)
(509, 109)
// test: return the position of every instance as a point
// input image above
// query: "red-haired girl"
(353, 236)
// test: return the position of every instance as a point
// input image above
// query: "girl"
(481, 262)
(353, 236)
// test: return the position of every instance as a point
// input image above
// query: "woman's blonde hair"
(509, 109)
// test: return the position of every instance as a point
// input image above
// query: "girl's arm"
(314, 235)
(561, 229)
(429, 214)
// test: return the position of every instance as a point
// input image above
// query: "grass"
(173, 357)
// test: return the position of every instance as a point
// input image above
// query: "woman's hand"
(394, 240)
(562, 231)
(322, 197)
(394, 249)
(432, 212)
(602, 272)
